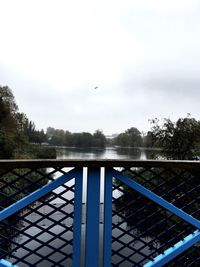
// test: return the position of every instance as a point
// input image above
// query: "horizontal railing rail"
(38, 163)
(150, 215)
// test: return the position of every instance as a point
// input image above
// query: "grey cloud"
(185, 85)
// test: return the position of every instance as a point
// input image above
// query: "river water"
(75, 153)
(107, 153)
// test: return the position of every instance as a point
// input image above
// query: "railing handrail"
(40, 163)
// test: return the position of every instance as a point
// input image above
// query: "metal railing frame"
(93, 204)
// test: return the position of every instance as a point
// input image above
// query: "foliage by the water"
(36, 151)
(130, 138)
(59, 137)
(179, 140)
(17, 131)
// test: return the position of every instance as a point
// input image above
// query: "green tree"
(148, 140)
(16, 130)
(60, 137)
(99, 139)
(179, 140)
(68, 138)
(130, 138)
(7, 100)
(8, 127)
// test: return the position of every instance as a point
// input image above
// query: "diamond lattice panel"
(42, 234)
(141, 228)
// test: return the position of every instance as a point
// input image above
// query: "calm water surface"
(107, 153)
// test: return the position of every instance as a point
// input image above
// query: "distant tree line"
(176, 140)
(130, 138)
(60, 137)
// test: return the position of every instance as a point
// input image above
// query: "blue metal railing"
(4, 263)
(148, 180)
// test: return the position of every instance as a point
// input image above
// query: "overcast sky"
(144, 56)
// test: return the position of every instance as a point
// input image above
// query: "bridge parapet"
(107, 212)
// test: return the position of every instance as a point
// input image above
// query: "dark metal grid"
(46, 239)
(192, 206)
(178, 186)
(17, 183)
(145, 230)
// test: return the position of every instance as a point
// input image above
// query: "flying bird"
(95, 87)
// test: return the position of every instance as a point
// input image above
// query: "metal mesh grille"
(141, 229)
(42, 233)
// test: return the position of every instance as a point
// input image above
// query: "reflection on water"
(107, 153)
(79, 153)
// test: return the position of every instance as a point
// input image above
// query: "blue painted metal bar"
(107, 237)
(92, 219)
(24, 202)
(4, 263)
(174, 251)
(160, 201)
(77, 219)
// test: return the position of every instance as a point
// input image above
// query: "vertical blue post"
(92, 218)
(77, 219)
(107, 236)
